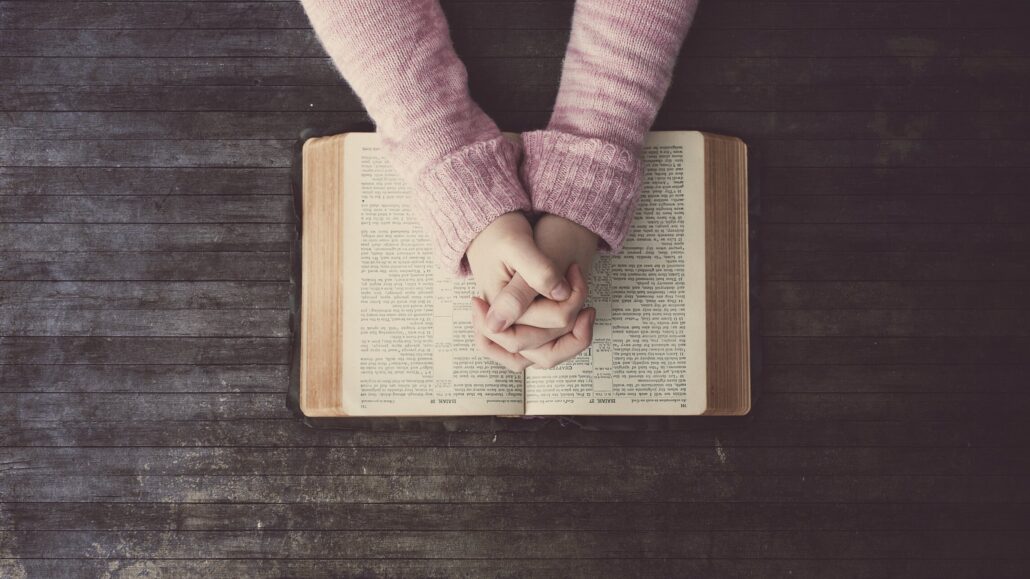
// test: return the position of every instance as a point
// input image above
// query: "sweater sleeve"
(585, 166)
(398, 58)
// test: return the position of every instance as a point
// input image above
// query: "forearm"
(586, 165)
(399, 59)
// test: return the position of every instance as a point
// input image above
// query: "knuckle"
(579, 300)
(550, 276)
(515, 345)
(512, 364)
(568, 318)
(508, 344)
(507, 302)
(522, 293)
(481, 347)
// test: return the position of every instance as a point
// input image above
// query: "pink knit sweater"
(585, 166)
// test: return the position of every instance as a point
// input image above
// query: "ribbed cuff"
(460, 195)
(592, 182)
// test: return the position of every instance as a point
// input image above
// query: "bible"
(385, 332)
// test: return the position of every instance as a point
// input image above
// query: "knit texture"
(459, 196)
(585, 180)
(398, 58)
(586, 165)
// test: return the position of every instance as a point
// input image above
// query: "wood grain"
(145, 230)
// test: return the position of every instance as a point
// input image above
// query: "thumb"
(509, 304)
(539, 272)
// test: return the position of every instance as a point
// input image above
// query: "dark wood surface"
(145, 225)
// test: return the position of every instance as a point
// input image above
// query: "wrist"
(575, 233)
(566, 241)
(502, 228)
(591, 182)
(457, 198)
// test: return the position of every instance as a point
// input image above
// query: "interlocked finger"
(566, 347)
(512, 361)
(544, 313)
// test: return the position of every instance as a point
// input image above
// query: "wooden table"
(144, 232)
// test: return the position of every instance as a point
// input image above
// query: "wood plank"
(707, 433)
(286, 125)
(512, 544)
(275, 153)
(933, 265)
(514, 94)
(62, 209)
(904, 378)
(507, 461)
(524, 43)
(783, 378)
(914, 568)
(138, 378)
(510, 15)
(893, 406)
(76, 237)
(893, 350)
(900, 181)
(779, 406)
(168, 15)
(778, 378)
(447, 3)
(148, 153)
(894, 153)
(144, 266)
(164, 295)
(624, 517)
(616, 487)
(171, 125)
(984, 239)
(896, 322)
(977, 207)
(737, 71)
(151, 406)
(858, 295)
(142, 350)
(249, 322)
(163, 182)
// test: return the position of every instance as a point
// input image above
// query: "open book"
(385, 332)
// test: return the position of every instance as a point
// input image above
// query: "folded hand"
(529, 317)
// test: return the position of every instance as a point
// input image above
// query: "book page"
(407, 324)
(648, 351)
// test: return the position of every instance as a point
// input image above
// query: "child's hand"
(549, 332)
(559, 344)
(511, 271)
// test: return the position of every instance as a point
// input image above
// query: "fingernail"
(562, 291)
(495, 322)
